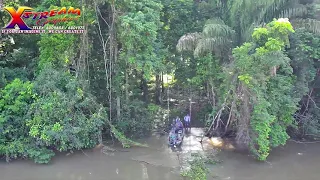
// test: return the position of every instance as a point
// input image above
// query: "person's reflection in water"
(187, 134)
(177, 149)
(173, 149)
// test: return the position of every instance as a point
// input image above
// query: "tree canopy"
(251, 67)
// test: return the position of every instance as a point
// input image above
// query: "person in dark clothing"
(179, 125)
(172, 137)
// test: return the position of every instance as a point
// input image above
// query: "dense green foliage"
(273, 103)
(246, 73)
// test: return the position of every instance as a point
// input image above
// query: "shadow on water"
(159, 162)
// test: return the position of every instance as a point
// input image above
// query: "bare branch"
(98, 9)
(314, 103)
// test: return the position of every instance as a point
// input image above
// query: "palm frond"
(293, 12)
(211, 44)
(269, 9)
(234, 9)
(217, 28)
(215, 21)
(312, 25)
(188, 42)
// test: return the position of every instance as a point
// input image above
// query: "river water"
(295, 161)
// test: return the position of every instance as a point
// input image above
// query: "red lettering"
(52, 12)
(62, 11)
(41, 22)
(54, 21)
(44, 15)
(38, 23)
(46, 22)
(74, 11)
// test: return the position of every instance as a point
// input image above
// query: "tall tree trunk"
(144, 87)
(162, 83)
(273, 70)
(243, 137)
(80, 64)
(127, 84)
(118, 108)
(113, 51)
(158, 90)
(211, 91)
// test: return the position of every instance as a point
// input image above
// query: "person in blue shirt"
(187, 121)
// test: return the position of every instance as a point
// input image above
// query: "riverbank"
(294, 161)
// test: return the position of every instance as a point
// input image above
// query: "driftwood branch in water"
(84, 153)
(146, 162)
(142, 161)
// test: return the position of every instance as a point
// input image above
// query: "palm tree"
(216, 36)
(238, 20)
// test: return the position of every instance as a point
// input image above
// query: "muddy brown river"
(295, 161)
